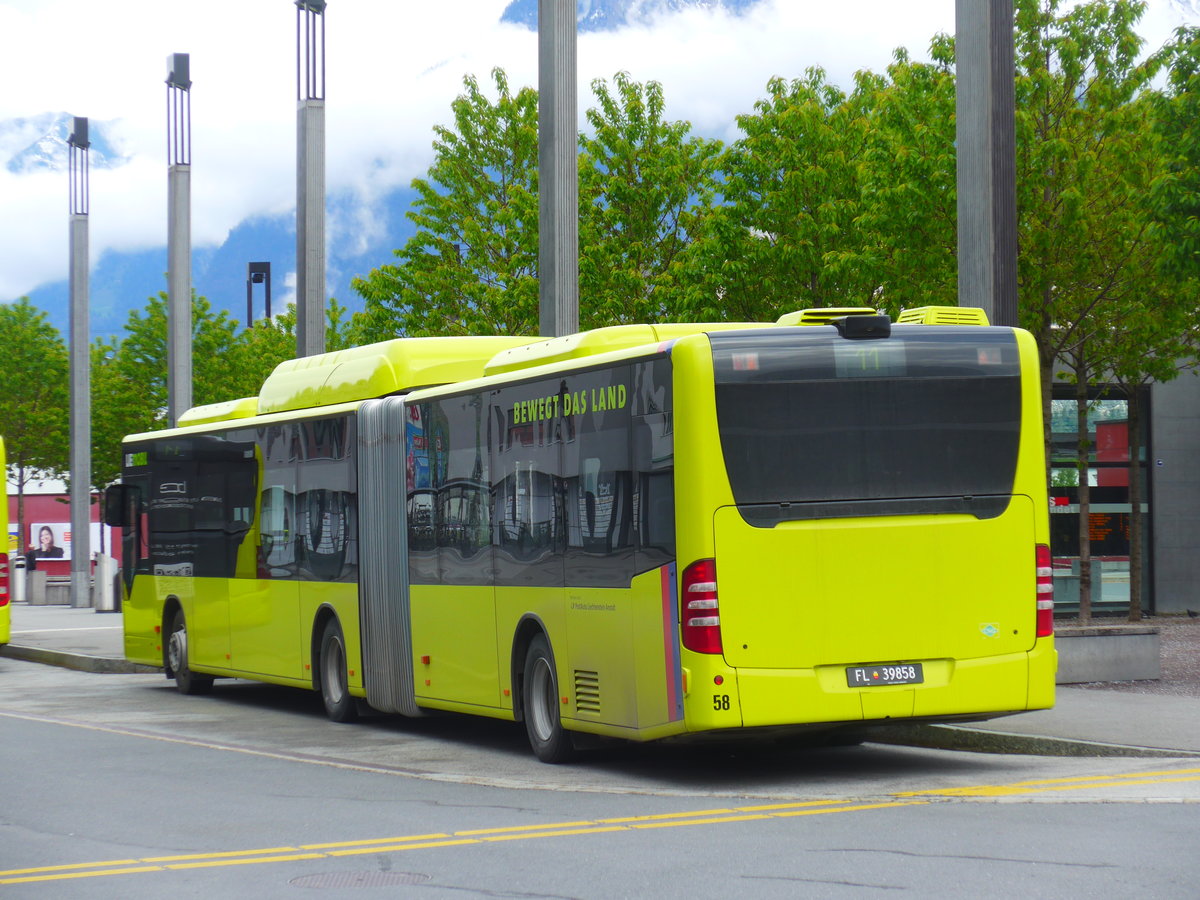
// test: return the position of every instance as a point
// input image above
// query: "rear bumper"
(953, 689)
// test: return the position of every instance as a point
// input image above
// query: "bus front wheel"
(335, 687)
(549, 740)
(187, 681)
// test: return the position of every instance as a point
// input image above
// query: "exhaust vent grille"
(587, 692)
(824, 315)
(943, 315)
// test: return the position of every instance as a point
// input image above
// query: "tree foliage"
(790, 196)
(907, 224)
(471, 268)
(1175, 197)
(645, 185)
(1082, 165)
(129, 373)
(129, 377)
(34, 396)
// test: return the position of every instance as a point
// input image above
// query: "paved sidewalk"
(1140, 719)
(81, 639)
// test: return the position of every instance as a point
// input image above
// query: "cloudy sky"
(393, 68)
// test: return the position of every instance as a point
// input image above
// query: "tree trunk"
(1135, 503)
(1046, 367)
(1085, 497)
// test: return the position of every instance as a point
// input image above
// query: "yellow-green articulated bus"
(642, 532)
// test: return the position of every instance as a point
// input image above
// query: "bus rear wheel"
(340, 706)
(186, 681)
(550, 741)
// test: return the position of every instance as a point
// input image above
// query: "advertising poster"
(52, 540)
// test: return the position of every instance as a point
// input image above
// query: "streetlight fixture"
(257, 273)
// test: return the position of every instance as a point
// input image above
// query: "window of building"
(1109, 509)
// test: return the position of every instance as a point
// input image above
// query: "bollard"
(36, 584)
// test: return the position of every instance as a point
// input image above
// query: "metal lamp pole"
(310, 177)
(179, 237)
(81, 389)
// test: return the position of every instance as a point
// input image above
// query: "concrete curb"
(958, 737)
(102, 665)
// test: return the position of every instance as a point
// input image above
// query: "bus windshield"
(924, 421)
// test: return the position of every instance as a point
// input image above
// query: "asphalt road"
(117, 786)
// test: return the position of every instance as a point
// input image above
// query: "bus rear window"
(927, 420)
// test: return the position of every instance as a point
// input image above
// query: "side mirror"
(120, 503)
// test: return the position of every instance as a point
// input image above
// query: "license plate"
(874, 676)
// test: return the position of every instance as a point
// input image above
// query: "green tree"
(1082, 166)
(645, 184)
(471, 268)
(34, 397)
(257, 350)
(1091, 171)
(115, 400)
(129, 377)
(1175, 197)
(907, 224)
(129, 374)
(780, 240)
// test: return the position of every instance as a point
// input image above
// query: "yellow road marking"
(481, 831)
(91, 865)
(230, 853)
(291, 857)
(411, 837)
(754, 817)
(598, 829)
(817, 812)
(396, 848)
(690, 818)
(1075, 783)
(520, 832)
(433, 841)
(62, 876)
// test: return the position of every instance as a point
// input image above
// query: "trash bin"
(103, 578)
(16, 568)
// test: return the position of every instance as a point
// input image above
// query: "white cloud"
(393, 70)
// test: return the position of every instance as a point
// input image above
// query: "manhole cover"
(358, 879)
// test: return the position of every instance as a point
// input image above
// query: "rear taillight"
(1045, 592)
(3, 579)
(701, 614)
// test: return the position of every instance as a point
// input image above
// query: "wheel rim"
(177, 650)
(332, 670)
(542, 700)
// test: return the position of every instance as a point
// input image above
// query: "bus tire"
(340, 706)
(186, 681)
(539, 693)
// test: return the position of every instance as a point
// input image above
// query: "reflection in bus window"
(278, 551)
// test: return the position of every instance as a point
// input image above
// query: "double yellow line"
(1079, 783)
(691, 818)
(431, 841)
